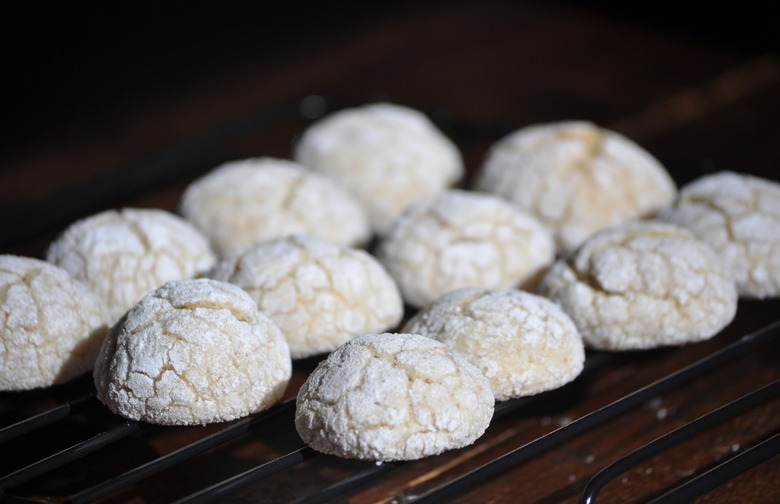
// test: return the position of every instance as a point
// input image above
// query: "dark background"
(91, 87)
(72, 57)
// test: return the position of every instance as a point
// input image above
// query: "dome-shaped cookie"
(463, 239)
(393, 397)
(192, 352)
(388, 155)
(320, 294)
(523, 343)
(122, 255)
(576, 178)
(643, 285)
(738, 215)
(52, 325)
(261, 198)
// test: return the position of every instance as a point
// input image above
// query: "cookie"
(262, 198)
(576, 178)
(320, 294)
(643, 285)
(738, 215)
(52, 325)
(464, 239)
(389, 156)
(523, 343)
(393, 397)
(122, 255)
(192, 352)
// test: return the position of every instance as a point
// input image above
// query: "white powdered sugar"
(192, 352)
(320, 294)
(261, 198)
(738, 215)
(523, 343)
(124, 254)
(390, 156)
(52, 325)
(643, 285)
(393, 397)
(463, 239)
(576, 178)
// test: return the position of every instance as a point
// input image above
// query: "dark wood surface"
(106, 99)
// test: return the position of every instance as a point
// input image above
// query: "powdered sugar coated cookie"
(576, 178)
(393, 397)
(643, 285)
(124, 254)
(261, 198)
(390, 156)
(320, 294)
(738, 215)
(523, 343)
(460, 239)
(52, 325)
(192, 352)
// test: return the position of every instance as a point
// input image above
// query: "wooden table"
(124, 106)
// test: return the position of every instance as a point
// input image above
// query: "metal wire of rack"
(749, 343)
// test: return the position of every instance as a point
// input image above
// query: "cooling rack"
(667, 425)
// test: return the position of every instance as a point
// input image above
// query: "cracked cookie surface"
(643, 285)
(192, 352)
(320, 294)
(261, 198)
(523, 343)
(393, 397)
(738, 215)
(576, 178)
(52, 325)
(124, 254)
(389, 156)
(463, 239)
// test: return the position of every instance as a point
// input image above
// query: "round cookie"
(576, 178)
(643, 285)
(388, 155)
(122, 255)
(320, 294)
(393, 397)
(261, 198)
(463, 239)
(192, 352)
(52, 325)
(523, 343)
(738, 215)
